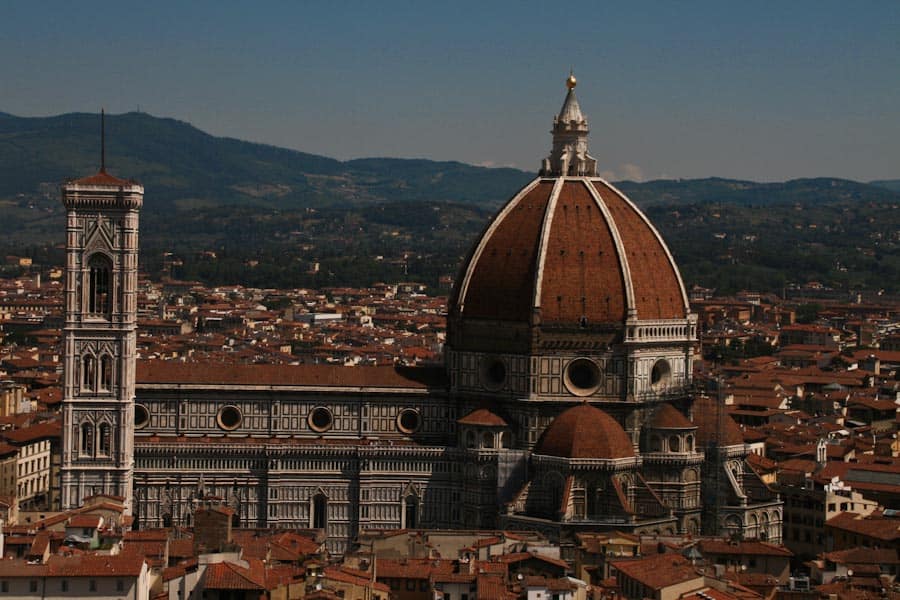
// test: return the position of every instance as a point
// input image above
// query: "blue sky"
(756, 90)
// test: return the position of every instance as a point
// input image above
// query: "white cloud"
(632, 172)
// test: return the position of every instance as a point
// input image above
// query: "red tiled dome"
(482, 417)
(573, 251)
(585, 431)
(669, 417)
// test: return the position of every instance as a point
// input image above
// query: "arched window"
(470, 439)
(106, 377)
(674, 443)
(105, 439)
(733, 525)
(87, 439)
(411, 512)
(689, 443)
(487, 440)
(88, 372)
(99, 279)
(764, 529)
(504, 439)
(320, 511)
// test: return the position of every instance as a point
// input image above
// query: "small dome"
(585, 431)
(482, 417)
(669, 417)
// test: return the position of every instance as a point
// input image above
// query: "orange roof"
(483, 417)
(102, 178)
(669, 417)
(84, 521)
(585, 431)
(168, 372)
(573, 241)
(657, 571)
(229, 576)
(76, 565)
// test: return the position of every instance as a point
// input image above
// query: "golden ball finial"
(571, 82)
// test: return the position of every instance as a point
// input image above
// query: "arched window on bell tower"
(106, 377)
(99, 300)
(88, 372)
(105, 439)
(87, 439)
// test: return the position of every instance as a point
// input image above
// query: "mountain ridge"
(229, 211)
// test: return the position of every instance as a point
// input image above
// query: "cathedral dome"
(569, 250)
(585, 431)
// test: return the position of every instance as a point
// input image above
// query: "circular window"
(408, 420)
(320, 419)
(660, 374)
(229, 417)
(141, 416)
(582, 376)
(493, 373)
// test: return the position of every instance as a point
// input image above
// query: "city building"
(564, 403)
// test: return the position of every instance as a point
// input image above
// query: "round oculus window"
(409, 420)
(141, 416)
(582, 377)
(320, 419)
(660, 374)
(229, 417)
(493, 373)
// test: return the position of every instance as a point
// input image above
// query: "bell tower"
(99, 336)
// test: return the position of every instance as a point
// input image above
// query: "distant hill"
(748, 193)
(888, 184)
(226, 211)
(182, 166)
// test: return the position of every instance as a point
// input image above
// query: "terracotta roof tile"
(658, 571)
(157, 371)
(483, 417)
(657, 284)
(581, 268)
(102, 178)
(669, 417)
(229, 576)
(502, 280)
(585, 431)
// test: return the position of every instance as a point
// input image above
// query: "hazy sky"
(755, 90)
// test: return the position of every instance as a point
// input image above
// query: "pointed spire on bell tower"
(569, 155)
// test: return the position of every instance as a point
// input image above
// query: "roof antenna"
(102, 141)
